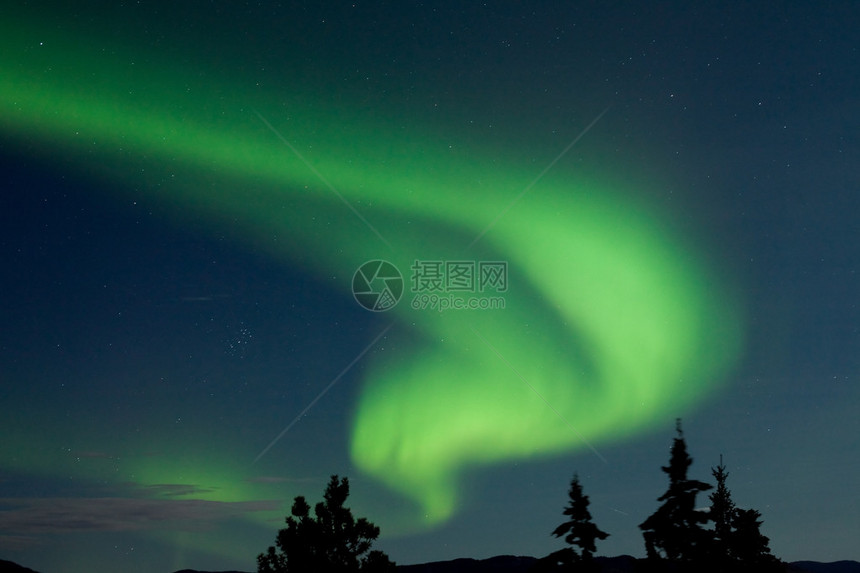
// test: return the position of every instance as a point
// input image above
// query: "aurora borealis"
(191, 295)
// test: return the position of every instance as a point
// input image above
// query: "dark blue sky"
(149, 344)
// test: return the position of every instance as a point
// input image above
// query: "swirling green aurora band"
(610, 322)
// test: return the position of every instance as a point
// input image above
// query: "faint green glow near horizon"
(611, 322)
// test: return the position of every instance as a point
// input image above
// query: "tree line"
(678, 537)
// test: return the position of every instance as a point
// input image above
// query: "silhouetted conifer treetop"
(722, 508)
(738, 544)
(748, 544)
(332, 541)
(579, 530)
(675, 530)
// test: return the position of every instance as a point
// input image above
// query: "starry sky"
(667, 195)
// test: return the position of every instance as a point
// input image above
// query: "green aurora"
(611, 323)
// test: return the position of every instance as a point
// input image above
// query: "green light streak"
(609, 318)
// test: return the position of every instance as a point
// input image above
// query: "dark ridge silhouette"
(10, 567)
(619, 564)
(834, 567)
(500, 563)
(524, 564)
(194, 571)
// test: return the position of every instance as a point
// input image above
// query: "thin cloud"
(277, 479)
(174, 489)
(18, 542)
(35, 516)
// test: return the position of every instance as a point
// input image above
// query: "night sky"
(670, 194)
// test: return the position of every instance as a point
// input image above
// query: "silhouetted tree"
(579, 531)
(748, 546)
(738, 542)
(332, 541)
(675, 530)
(722, 514)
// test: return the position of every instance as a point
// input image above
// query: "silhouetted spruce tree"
(674, 531)
(722, 514)
(579, 531)
(738, 542)
(748, 546)
(332, 541)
